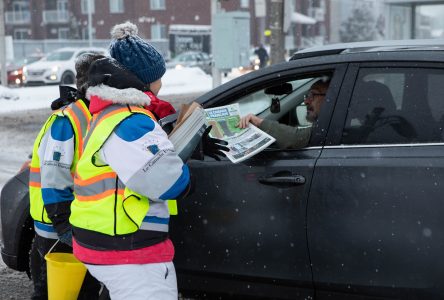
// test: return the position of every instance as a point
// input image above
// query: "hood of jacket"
(111, 83)
(102, 96)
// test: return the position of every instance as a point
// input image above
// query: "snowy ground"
(22, 113)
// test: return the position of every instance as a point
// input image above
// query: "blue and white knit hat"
(135, 54)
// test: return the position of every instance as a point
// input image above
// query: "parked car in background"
(15, 69)
(356, 214)
(191, 59)
(57, 67)
(254, 63)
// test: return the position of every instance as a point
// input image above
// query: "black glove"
(67, 96)
(213, 147)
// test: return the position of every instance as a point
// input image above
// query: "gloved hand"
(213, 147)
(66, 238)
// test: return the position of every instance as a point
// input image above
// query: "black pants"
(40, 246)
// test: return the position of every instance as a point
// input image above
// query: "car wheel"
(68, 78)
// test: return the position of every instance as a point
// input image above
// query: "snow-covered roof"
(299, 18)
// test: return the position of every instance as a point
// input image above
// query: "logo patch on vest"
(152, 148)
(56, 155)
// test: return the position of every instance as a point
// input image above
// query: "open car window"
(292, 109)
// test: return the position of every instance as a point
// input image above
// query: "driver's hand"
(250, 118)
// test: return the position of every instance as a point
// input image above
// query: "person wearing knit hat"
(54, 159)
(143, 60)
(128, 172)
(135, 54)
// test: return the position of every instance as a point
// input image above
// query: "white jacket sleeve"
(143, 157)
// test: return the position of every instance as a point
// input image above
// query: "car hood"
(173, 64)
(45, 64)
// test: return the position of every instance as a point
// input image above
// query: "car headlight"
(55, 69)
(15, 73)
(179, 67)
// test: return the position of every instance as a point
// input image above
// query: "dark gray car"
(356, 214)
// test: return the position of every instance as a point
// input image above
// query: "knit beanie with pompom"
(135, 54)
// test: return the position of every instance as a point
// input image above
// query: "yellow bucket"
(65, 276)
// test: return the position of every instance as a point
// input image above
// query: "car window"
(205, 56)
(396, 106)
(184, 58)
(259, 102)
(60, 55)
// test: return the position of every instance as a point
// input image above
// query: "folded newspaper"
(193, 120)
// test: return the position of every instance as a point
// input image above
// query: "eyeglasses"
(312, 95)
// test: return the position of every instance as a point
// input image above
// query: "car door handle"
(286, 180)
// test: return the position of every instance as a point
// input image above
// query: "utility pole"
(89, 23)
(215, 72)
(3, 76)
(277, 39)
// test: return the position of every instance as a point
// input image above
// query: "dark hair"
(82, 65)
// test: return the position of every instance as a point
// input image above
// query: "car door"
(375, 225)
(243, 228)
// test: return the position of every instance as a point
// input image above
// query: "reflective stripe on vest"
(79, 117)
(102, 202)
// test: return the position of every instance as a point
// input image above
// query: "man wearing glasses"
(289, 137)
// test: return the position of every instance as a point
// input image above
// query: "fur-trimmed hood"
(110, 83)
(121, 96)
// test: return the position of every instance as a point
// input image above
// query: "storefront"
(418, 19)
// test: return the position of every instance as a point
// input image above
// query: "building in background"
(363, 20)
(173, 25)
(47, 24)
(419, 19)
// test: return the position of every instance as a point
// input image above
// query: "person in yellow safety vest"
(128, 171)
(56, 152)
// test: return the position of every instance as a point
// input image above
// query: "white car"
(57, 67)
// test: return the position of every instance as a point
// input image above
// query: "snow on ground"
(174, 82)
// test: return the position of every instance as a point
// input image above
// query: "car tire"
(68, 78)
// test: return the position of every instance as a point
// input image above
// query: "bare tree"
(277, 39)
(360, 25)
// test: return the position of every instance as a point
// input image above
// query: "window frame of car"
(281, 73)
(334, 136)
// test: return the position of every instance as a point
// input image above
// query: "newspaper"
(243, 143)
(190, 126)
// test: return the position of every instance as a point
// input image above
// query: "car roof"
(385, 52)
(372, 46)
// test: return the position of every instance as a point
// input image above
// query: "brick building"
(67, 21)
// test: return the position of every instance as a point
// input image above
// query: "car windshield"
(184, 57)
(60, 55)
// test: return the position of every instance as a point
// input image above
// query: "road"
(17, 133)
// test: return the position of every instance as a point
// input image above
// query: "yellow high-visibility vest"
(79, 117)
(102, 202)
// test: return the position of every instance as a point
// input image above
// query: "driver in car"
(290, 137)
